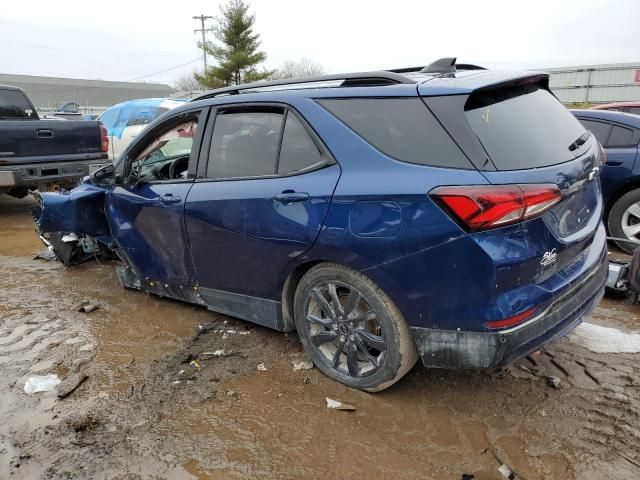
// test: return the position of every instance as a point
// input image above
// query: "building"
(618, 82)
(93, 95)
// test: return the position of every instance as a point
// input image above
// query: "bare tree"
(298, 69)
(188, 83)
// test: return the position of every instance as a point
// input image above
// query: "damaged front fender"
(80, 211)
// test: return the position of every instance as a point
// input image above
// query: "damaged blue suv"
(448, 212)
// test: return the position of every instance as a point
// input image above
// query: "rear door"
(145, 211)
(260, 202)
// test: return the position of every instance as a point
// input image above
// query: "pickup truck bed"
(38, 153)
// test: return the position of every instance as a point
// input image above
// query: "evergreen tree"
(236, 50)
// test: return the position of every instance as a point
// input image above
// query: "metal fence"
(596, 83)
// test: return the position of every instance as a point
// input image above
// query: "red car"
(628, 107)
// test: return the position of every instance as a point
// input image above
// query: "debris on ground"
(41, 383)
(336, 405)
(70, 384)
(87, 307)
(207, 327)
(46, 255)
(85, 423)
(504, 469)
(221, 353)
(468, 476)
(194, 363)
(261, 367)
(232, 393)
(302, 365)
(553, 381)
(506, 472)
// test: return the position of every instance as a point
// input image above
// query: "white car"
(124, 121)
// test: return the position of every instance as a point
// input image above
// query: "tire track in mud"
(599, 391)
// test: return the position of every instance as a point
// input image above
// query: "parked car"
(619, 134)
(124, 121)
(42, 154)
(627, 107)
(444, 213)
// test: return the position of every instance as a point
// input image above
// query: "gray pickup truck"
(44, 154)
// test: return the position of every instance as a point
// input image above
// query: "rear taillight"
(104, 139)
(480, 207)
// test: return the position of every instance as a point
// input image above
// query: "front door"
(146, 211)
(267, 190)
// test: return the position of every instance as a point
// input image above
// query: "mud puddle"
(160, 404)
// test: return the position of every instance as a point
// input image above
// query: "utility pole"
(202, 19)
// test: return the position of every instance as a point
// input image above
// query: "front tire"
(351, 329)
(624, 220)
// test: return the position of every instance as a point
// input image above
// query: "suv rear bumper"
(31, 175)
(458, 349)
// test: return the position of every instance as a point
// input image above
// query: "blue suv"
(447, 212)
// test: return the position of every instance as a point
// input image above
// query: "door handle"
(44, 132)
(170, 198)
(289, 196)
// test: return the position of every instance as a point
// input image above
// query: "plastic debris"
(221, 353)
(194, 363)
(336, 405)
(506, 472)
(553, 381)
(41, 383)
(261, 367)
(232, 393)
(87, 307)
(302, 365)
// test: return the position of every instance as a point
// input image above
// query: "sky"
(154, 41)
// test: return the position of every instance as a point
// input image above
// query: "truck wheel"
(351, 329)
(624, 220)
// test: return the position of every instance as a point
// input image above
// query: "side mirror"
(104, 177)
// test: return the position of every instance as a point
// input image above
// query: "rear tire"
(624, 219)
(351, 329)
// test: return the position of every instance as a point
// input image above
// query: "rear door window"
(620, 137)
(245, 143)
(298, 152)
(402, 128)
(600, 130)
(14, 105)
(523, 127)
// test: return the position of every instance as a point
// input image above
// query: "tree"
(292, 69)
(236, 50)
(188, 83)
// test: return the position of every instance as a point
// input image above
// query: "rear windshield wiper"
(581, 140)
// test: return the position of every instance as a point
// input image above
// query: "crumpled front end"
(72, 224)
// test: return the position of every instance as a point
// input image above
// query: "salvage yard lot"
(147, 410)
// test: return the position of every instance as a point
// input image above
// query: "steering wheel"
(177, 167)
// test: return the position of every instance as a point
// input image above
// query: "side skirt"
(262, 311)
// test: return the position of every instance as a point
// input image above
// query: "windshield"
(525, 127)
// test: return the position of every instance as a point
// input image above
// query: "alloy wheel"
(344, 328)
(631, 222)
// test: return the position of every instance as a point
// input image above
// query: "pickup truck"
(44, 154)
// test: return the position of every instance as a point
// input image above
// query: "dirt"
(159, 403)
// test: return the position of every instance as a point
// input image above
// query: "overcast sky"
(126, 40)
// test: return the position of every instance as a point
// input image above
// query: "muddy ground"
(146, 411)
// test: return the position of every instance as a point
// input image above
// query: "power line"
(84, 50)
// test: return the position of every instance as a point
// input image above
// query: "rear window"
(402, 128)
(601, 130)
(523, 127)
(14, 105)
(621, 137)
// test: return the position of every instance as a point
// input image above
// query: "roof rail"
(360, 79)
